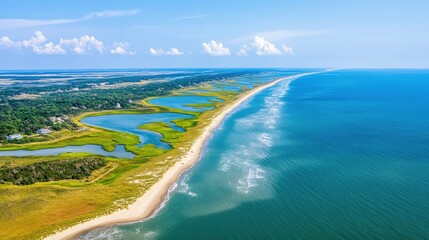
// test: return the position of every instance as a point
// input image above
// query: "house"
(14, 136)
(118, 105)
(43, 131)
(58, 119)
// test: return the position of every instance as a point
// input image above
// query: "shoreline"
(149, 202)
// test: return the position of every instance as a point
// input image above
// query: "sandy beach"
(153, 197)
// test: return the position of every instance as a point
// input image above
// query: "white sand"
(152, 198)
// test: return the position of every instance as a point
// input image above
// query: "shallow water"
(130, 123)
(119, 152)
(118, 122)
(181, 102)
(340, 155)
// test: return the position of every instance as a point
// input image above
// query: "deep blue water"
(340, 155)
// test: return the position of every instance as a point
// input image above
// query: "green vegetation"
(50, 170)
(26, 116)
(112, 186)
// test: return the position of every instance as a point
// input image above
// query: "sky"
(46, 34)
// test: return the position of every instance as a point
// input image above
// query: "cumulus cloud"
(264, 47)
(49, 49)
(20, 23)
(174, 51)
(38, 43)
(83, 45)
(121, 48)
(160, 52)
(215, 49)
(5, 41)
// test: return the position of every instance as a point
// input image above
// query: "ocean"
(336, 155)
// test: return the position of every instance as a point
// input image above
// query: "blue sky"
(189, 33)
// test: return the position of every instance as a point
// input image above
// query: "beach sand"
(148, 203)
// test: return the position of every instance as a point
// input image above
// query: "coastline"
(148, 203)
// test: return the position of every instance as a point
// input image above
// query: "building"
(14, 136)
(118, 105)
(43, 131)
(56, 119)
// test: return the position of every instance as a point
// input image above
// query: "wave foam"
(183, 187)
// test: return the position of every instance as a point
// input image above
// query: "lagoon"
(130, 122)
(118, 122)
(119, 152)
(183, 102)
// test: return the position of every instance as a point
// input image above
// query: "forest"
(50, 170)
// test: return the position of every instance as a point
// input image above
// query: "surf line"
(150, 201)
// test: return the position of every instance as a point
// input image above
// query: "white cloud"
(5, 41)
(38, 39)
(49, 49)
(121, 48)
(38, 43)
(83, 45)
(156, 52)
(264, 47)
(160, 52)
(215, 49)
(244, 51)
(174, 52)
(287, 50)
(13, 23)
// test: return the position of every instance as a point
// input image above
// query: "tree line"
(26, 116)
(51, 170)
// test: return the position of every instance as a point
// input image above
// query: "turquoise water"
(340, 155)
(181, 102)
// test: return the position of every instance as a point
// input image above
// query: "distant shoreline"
(148, 203)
